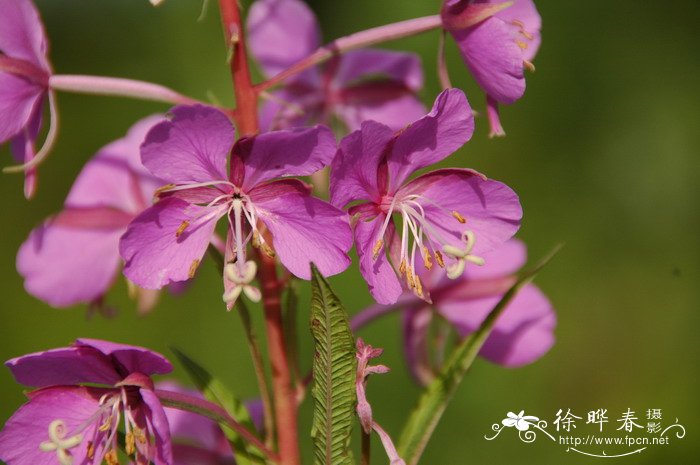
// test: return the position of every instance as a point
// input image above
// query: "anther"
(193, 268)
(91, 450)
(529, 66)
(130, 443)
(377, 248)
(402, 267)
(111, 457)
(427, 260)
(139, 435)
(267, 250)
(521, 44)
(438, 258)
(181, 228)
(459, 217)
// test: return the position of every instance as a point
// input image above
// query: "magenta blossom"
(359, 85)
(24, 75)
(498, 40)
(110, 191)
(86, 391)
(365, 353)
(522, 334)
(165, 244)
(448, 216)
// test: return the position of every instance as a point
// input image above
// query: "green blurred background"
(600, 150)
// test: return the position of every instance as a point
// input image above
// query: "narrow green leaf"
(214, 391)
(439, 393)
(334, 372)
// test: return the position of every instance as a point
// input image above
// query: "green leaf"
(334, 374)
(214, 391)
(439, 393)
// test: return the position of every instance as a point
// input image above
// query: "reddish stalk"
(247, 122)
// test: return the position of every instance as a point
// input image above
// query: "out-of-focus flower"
(86, 391)
(498, 40)
(521, 335)
(167, 241)
(24, 76)
(449, 217)
(369, 84)
(73, 257)
(365, 353)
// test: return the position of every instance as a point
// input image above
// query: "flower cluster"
(232, 182)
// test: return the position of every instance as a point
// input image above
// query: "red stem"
(247, 122)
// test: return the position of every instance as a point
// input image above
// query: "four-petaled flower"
(368, 84)
(24, 77)
(87, 390)
(521, 335)
(448, 216)
(498, 40)
(521, 421)
(73, 257)
(166, 242)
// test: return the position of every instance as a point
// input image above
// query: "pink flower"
(498, 40)
(86, 391)
(522, 334)
(73, 257)
(448, 216)
(23, 48)
(360, 85)
(166, 243)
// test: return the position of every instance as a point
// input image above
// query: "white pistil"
(59, 443)
(241, 276)
(418, 235)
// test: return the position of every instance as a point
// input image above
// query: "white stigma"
(59, 443)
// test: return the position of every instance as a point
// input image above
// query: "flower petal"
(133, 359)
(524, 12)
(67, 365)
(21, 32)
(393, 106)
(155, 248)
(115, 177)
(354, 172)
(381, 278)
(281, 32)
(416, 325)
(29, 426)
(18, 98)
(494, 58)
(523, 333)
(491, 209)
(193, 146)
(448, 126)
(65, 266)
(291, 152)
(292, 106)
(380, 65)
(304, 229)
(157, 419)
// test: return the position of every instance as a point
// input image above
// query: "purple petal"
(394, 107)
(29, 426)
(67, 365)
(494, 58)
(354, 172)
(161, 430)
(304, 229)
(416, 326)
(525, 12)
(447, 127)
(380, 276)
(18, 99)
(386, 65)
(505, 260)
(491, 209)
(522, 334)
(66, 266)
(21, 32)
(155, 248)
(281, 32)
(132, 359)
(23, 147)
(191, 147)
(115, 177)
(293, 152)
(292, 106)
